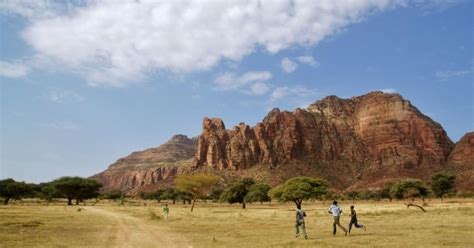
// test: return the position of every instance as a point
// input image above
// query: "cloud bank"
(112, 43)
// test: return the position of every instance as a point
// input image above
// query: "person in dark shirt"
(300, 214)
(354, 220)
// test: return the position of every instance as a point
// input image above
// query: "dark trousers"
(354, 222)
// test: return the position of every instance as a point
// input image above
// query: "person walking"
(336, 211)
(354, 220)
(166, 210)
(300, 214)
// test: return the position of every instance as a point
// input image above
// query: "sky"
(85, 82)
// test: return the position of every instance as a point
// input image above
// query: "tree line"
(190, 188)
(71, 188)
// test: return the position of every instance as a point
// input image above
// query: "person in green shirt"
(166, 211)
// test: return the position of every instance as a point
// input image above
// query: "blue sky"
(85, 83)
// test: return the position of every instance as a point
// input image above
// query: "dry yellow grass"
(220, 225)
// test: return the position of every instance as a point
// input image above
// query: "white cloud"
(292, 92)
(389, 90)
(288, 65)
(259, 88)
(12, 70)
(230, 81)
(445, 75)
(65, 125)
(114, 43)
(308, 60)
(61, 96)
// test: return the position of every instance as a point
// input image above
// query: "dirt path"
(130, 231)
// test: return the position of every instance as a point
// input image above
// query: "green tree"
(409, 189)
(77, 188)
(184, 196)
(197, 185)
(385, 192)
(258, 193)
(352, 195)
(170, 194)
(236, 192)
(11, 189)
(112, 195)
(49, 192)
(156, 195)
(298, 189)
(215, 194)
(443, 184)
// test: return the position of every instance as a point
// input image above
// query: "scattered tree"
(298, 189)
(113, 195)
(197, 185)
(236, 192)
(157, 195)
(184, 196)
(77, 188)
(409, 189)
(370, 195)
(385, 192)
(49, 192)
(10, 189)
(215, 194)
(352, 195)
(170, 194)
(443, 184)
(258, 193)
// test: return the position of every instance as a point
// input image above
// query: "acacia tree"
(385, 192)
(11, 189)
(298, 189)
(442, 184)
(169, 194)
(236, 192)
(258, 193)
(48, 192)
(352, 195)
(156, 195)
(198, 185)
(77, 188)
(409, 189)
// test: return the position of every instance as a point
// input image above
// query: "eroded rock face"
(461, 162)
(383, 135)
(463, 152)
(149, 169)
(360, 143)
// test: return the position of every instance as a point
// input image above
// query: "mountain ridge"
(356, 143)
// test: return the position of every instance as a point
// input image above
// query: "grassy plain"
(220, 225)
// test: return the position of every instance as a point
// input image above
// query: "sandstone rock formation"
(370, 138)
(356, 144)
(149, 169)
(461, 162)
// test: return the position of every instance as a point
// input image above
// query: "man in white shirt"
(336, 211)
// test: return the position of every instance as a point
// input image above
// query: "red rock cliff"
(461, 162)
(149, 169)
(377, 136)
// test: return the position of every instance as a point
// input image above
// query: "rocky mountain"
(361, 142)
(358, 143)
(149, 169)
(461, 162)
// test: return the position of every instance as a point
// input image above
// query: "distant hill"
(358, 143)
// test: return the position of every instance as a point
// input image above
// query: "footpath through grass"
(221, 225)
